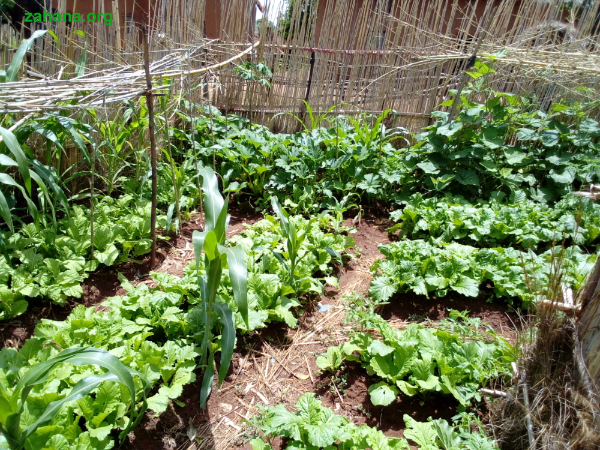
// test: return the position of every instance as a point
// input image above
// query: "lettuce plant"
(517, 221)
(52, 262)
(12, 406)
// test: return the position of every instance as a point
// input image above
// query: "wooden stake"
(150, 103)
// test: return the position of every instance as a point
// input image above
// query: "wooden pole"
(463, 81)
(150, 103)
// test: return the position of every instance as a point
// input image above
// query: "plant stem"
(193, 134)
(172, 163)
(150, 102)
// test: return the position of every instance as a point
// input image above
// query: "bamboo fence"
(362, 55)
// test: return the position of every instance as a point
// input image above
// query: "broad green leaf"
(213, 200)
(550, 138)
(330, 360)
(467, 177)
(379, 348)
(491, 139)
(466, 286)
(450, 129)
(238, 274)
(446, 435)
(227, 338)
(382, 393)
(567, 176)
(526, 134)
(382, 288)
(12, 73)
(15, 148)
(108, 256)
(422, 434)
(429, 167)
(210, 246)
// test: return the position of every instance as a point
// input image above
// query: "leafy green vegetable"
(488, 224)
(425, 267)
(54, 261)
(314, 426)
(455, 359)
(16, 410)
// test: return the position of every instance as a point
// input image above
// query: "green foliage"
(120, 147)
(309, 171)
(520, 222)
(185, 177)
(12, 73)
(259, 73)
(500, 148)
(158, 332)
(271, 295)
(293, 241)
(314, 426)
(54, 261)
(424, 267)
(26, 405)
(455, 359)
(506, 144)
(216, 258)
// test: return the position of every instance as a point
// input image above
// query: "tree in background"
(308, 9)
(14, 12)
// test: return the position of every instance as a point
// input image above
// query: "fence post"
(308, 84)
(150, 102)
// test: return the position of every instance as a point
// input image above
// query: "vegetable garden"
(349, 285)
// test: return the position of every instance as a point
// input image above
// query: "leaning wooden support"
(558, 305)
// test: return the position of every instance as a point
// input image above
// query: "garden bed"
(277, 364)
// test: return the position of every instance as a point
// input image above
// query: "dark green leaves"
(491, 138)
(467, 177)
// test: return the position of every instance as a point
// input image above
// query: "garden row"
(483, 203)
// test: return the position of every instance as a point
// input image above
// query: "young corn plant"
(12, 406)
(216, 258)
(293, 242)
